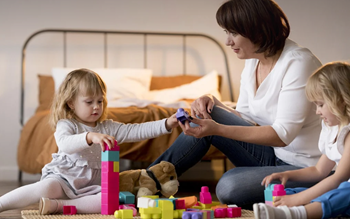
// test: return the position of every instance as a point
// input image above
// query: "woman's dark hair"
(261, 21)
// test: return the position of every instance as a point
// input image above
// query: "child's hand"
(283, 177)
(171, 122)
(289, 200)
(98, 138)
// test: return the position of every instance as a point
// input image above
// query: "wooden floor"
(187, 188)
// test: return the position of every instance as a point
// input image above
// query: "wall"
(320, 25)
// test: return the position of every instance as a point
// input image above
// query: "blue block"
(110, 156)
(126, 198)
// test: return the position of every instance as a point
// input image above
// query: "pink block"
(205, 196)
(107, 166)
(116, 147)
(208, 213)
(109, 209)
(269, 203)
(180, 204)
(234, 212)
(278, 190)
(69, 210)
(220, 212)
(107, 198)
(131, 207)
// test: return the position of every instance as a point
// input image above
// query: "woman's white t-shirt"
(280, 102)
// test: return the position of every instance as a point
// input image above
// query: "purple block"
(182, 115)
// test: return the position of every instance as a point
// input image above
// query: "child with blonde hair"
(329, 89)
(79, 117)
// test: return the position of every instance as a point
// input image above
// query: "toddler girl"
(81, 132)
(329, 89)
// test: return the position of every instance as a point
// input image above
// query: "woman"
(274, 127)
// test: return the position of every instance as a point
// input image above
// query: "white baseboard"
(9, 173)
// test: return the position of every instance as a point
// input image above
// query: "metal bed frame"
(105, 33)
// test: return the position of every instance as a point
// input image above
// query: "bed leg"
(20, 176)
(225, 164)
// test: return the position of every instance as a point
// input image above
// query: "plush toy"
(158, 178)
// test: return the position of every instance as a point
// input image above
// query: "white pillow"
(120, 82)
(208, 84)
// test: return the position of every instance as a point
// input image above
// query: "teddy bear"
(160, 178)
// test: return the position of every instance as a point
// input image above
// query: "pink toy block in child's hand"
(205, 196)
(115, 148)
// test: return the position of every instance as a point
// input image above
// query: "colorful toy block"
(123, 214)
(126, 197)
(110, 180)
(205, 196)
(182, 115)
(69, 210)
(189, 201)
(220, 212)
(278, 190)
(130, 207)
(143, 202)
(268, 194)
(178, 213)
(228, 212)
(208, 214)
(167, 208)
(180, 204)
(192, 215)
(234, 212)
(150, 213)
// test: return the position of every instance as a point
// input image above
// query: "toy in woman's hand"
(182, 115)
(158, 178)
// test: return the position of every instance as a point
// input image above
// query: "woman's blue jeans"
(242, 184)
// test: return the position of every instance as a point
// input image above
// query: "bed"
(149, 75)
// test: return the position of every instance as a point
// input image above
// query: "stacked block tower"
(110, 180)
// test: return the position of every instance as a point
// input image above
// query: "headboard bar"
(106, 32)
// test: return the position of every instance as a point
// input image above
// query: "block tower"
(110, 180)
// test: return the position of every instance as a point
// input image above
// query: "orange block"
(189, 201)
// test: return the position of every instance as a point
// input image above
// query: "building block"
(208, 206)
(123, 214)
(69, 210)
(130, 207)
(180, 204)
(150, 213)
(110, 156)
(208, 214)
(205, 196)
(189, 201)
(110, 180)
(278, 190)
(151, 196)
(268, 194)
(220, 206)
(234, 212)
(126, 197)
(143, 202)
(220, 212)
(178, 213)
(192, 215)
(167, 207)
(115, 148)
(182, 115)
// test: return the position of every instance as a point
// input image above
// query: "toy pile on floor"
(170, 208)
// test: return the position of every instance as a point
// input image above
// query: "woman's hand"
(283, 177)
(202, 106)
(171, 122)
(102, 139)
(205, 127)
